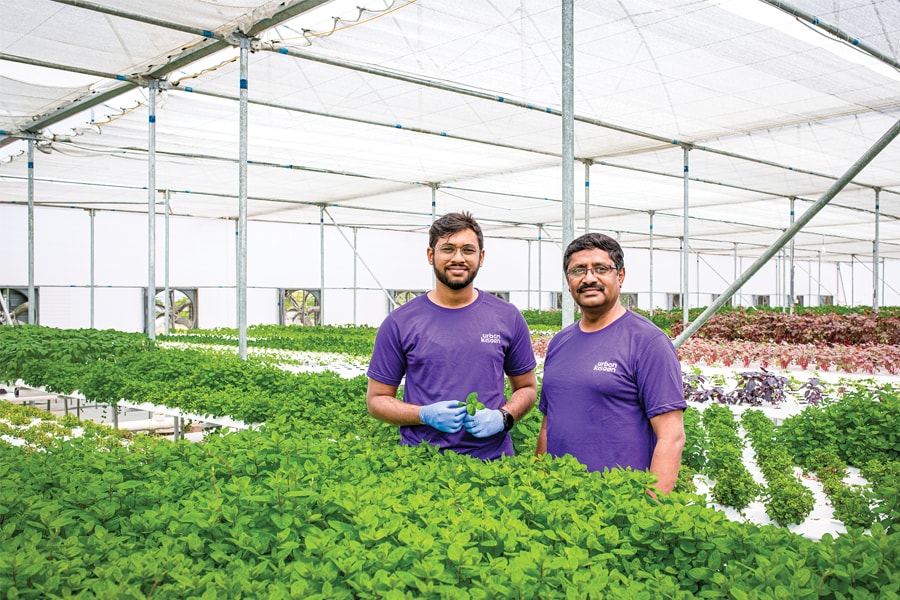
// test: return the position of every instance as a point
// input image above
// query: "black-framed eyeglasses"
(598, 270)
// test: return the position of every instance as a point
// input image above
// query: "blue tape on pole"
(189, 89)
(153, 118)
(30, 164)
(587, 184)
(398, 126)
(207, 33)
(855, 42)
(120, 77)
(283, 50)
(500, 99)
(243, 84)
(548, 110)
(685, 168)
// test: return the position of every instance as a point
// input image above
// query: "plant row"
(671, 320)
(220, 384)
(734, 485)
(805, 328)
(355, 340)
(318, 511)
(860, 358)
(787, 499)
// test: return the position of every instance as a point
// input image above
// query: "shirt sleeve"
(388, 364)
(659, 377)
(520, 358)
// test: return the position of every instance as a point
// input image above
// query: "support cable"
(392, 302)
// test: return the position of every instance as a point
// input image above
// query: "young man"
(612, 393)
(448, 343)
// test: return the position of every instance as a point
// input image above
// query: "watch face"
(508, 420)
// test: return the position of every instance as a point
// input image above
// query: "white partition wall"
(288, 256)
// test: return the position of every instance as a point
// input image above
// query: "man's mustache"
(591, 286)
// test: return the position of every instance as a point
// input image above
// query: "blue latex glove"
(446, 416)
(484, 423)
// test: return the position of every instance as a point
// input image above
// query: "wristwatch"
(508, 420)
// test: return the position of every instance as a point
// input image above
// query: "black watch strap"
(508, 420)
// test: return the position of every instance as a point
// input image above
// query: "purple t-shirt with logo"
(601, 388)
(447, 353)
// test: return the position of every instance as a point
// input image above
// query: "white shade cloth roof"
(373, 114)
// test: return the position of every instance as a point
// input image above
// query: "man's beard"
(455, 284)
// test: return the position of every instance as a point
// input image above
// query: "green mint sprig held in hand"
(472, 404)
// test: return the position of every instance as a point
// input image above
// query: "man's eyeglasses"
(448, 250)
(598, 270)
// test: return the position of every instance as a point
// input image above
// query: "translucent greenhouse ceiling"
(377, 113)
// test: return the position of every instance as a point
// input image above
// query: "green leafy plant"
(472, 403)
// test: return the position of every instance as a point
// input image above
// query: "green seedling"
(472, 404)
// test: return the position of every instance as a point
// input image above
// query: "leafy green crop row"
(295, 512)
(322, 503)
(355, 341)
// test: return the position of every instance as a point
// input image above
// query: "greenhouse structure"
(208, 209)
(281, 161)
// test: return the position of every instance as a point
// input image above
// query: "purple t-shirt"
(600, 389)
(447, 353)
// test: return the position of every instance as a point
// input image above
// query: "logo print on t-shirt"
(490, 338)
(608, 367)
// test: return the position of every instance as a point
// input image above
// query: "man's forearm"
(665, 464)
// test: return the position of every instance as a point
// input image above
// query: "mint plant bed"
(291, 512)
(323, 503)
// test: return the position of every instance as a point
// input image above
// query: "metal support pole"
(32, 304)
(685, 251)
(852, 280)
(93, 216)
(778, 301)
(529, 276)
(167, 302)
(433, 219)
(838, 185)
(735, 273)
(697, 260)
(322, 264)
(651, 262)
(540, 270)
(792, 271)
(355, 264)
(876, 300)
(242, 200)
(587, 195)
(568, 150)
(819, 252)
(152, 88)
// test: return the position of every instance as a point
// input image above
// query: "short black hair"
(452, 223)
(599, 241)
